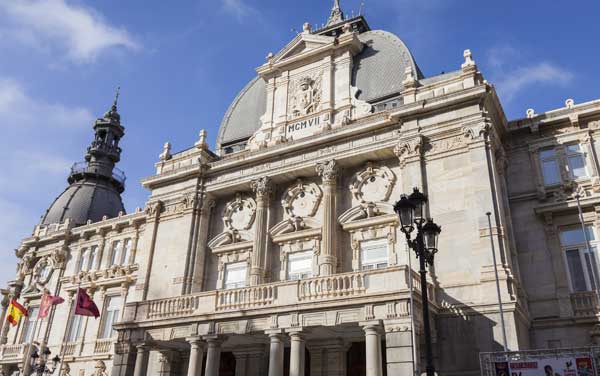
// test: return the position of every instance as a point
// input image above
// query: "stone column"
(327, 261)
(213, 356)
(297, 354)
(3, 323)
(200, 255)
(141, 361)
(262, 189)
(196, 355)
(399, 347)
(373, 349)
(276, 353)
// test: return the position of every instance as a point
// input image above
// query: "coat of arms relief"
(304, 96)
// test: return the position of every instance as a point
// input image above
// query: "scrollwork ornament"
(373, 184)
(261, 187)
(301, 200)
(477, 132)
(239, 214)
(408, 149)
(328, 171)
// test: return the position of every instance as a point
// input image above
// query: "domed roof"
(379, 70)
(88, 199)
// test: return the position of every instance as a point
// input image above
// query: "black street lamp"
(411, 210)
(39, 363)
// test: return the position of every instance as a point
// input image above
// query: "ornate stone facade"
(247, 259)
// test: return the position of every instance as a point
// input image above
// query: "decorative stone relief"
(41, 274)
(100, 369)
(476, 132)
(302, 200)
(304, 95)
(373, 184)
(328, 171)
(409, 149)
(239, 214)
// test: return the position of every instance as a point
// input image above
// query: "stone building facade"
(279, 253)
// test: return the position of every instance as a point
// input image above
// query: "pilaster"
(327, 260)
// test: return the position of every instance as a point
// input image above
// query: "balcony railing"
(244, 298)
(332, 286)
(585, 303)
(82, 167)
(15, 352)
(70, 348)
(103, 346)
(335, 289)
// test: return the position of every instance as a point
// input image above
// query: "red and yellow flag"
(15, 312)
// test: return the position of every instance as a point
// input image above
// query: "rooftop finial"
(336, 14)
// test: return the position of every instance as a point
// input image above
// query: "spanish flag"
(15, 312)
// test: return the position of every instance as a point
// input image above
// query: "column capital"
(371, 326)
(195, 341)
(261, 187)
(328, 170)
(214, 340)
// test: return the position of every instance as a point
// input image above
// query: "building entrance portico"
(346, 350)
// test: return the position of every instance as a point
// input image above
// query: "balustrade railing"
(585, 303)
(172, 307)
(103, 346)
(70, 348)
(332, 286)
(248, 297)
(14, 351)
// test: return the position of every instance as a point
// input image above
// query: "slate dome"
(95, 186)
(378, 72)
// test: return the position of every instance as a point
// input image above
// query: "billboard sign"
(555, 366)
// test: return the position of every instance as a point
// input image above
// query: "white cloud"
(17, 109)
(239, 9)
(512, 83)
(80, 31)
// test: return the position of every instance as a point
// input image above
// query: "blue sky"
(181, 63)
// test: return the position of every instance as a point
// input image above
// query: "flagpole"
(63, 348)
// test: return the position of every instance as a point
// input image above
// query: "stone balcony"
(11, 354)
(361, 287)
(585, 304)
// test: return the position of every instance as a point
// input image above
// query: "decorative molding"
(239, 214)
(302, 200)
(372, 184)
(261, 187)
(477, 132)
(410, 148)
(304, 95)
(328, 171)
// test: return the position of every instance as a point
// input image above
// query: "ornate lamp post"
(39, 363)
(411, 211)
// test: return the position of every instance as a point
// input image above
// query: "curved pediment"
(229, 237)
(294, 224)
(366, 211)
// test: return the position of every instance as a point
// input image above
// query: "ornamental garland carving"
(477, 132)
(304, 95)
(40, 276)
(239, 214)
(328, 171)
(373, 184)
(301, 200)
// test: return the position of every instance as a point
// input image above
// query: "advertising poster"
(569, 366)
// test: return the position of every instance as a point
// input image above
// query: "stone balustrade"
(243, 298)
(339, 285)
(585, 303)
(334, 289)
(14, 352)
(173, 307)
(103, 346)
(70, 348)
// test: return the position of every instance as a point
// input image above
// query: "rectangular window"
(576, 162)
(581, 263)
(115, 255)
(235, 275)
(112, 310)
(75, 328)
(29, 325)
(93, 259)
(300, 265)
(374, 254)
(550, 169)
(84, 260)
(126, 252)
